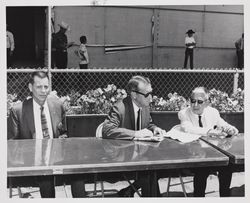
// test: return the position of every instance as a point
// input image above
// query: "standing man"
(60, 45)
(41, 117)
(239, 44)
(10, 47)
(129, 119)
(202, 119)
(190, 45)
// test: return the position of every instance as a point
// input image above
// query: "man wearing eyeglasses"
(130, 119)
(202, 119)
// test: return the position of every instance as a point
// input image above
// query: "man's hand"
(216, 133)
(63, 136)
(158, 131)
(144, 133)
(231, 131)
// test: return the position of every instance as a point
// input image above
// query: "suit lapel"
(131, 111)
(28, 117)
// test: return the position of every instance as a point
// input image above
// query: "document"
(177, 134)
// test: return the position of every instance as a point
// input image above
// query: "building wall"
(217, 28)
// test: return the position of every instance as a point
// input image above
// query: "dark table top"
(93, 155)
(231, 146)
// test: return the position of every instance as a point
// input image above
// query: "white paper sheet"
(178, 134)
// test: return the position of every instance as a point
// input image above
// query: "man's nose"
(150, 98)
(43, 89)
(196, 103)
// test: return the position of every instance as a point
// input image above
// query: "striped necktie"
(200, 123)
(45, 128)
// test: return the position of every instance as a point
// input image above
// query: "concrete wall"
(217, 28)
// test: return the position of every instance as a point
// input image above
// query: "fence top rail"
(126, 71)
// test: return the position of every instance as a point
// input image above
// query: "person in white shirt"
(202, 119)
(190, 44)
(82, 53)
(10, 43)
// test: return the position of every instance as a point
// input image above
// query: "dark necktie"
(45, 128)
(138, 123)
(200, 123)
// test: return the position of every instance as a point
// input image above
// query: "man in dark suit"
(41, 117)
(129, 119)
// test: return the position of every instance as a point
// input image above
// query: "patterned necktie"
(45, 128)
(138, 123)
(200, 123)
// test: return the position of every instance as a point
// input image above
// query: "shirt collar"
(136, 108)
(38, 106)
(194, 114)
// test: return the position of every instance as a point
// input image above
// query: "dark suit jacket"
(21, 119)
(120, 123)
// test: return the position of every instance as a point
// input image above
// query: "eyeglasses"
(193, 101)
(145, 95)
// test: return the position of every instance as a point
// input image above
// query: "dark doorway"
(28, 25)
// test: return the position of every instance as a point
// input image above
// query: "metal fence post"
(236, 79)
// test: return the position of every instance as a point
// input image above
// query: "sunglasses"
(145, 95)
(193, 101)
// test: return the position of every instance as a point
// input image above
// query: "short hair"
(134, 82)
(201, 90)
(83, 39)
(40, 74)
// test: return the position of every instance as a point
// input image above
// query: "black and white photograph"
(131, 100)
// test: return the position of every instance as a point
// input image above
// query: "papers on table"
(149, 139)
(177, 134)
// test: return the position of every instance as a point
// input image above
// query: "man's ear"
(30, 87)
(133, 95)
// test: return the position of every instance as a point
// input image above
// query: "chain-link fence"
(163, 81)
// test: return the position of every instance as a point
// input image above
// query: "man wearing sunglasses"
(130, 119)
(204, 120)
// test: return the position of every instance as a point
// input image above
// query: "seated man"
(130, 118)
(202, 119)
(42, 117)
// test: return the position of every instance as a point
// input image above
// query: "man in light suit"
(26, 122)
(202, 119)
(129, 119)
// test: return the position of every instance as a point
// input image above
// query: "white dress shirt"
(209, 118)
(189, 40)
(10, 41)
(37, 119)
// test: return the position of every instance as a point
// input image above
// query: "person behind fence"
(239, 44)
(60, 44)
(202, 119)
(189, 52)
(10, 47)
(130, 118)
(82, 53)
(41, 116)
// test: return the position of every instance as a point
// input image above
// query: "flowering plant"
(11, 100)
(98, 101)
(174, 102)
(221, 101)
